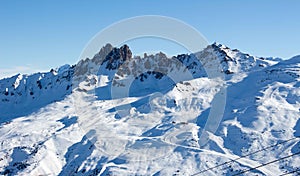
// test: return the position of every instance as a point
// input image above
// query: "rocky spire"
(117, 57)
(104, 51)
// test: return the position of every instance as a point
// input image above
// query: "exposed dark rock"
(104, 51)
(228, 72)
(39, 84)
(117, 57)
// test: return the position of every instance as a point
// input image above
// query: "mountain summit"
(120, 114)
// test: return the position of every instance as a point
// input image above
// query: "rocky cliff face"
(115, 58)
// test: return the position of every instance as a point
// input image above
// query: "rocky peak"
(104, 51)
(233, 60)
(126, 52)
(116, 57)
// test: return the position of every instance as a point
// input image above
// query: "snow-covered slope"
(118, 114)
(23, 94)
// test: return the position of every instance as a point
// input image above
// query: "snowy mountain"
(119, 114)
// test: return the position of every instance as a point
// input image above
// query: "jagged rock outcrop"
(116, 57)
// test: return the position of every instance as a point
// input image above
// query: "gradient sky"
(39, 35)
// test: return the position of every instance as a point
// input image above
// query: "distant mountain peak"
(104, 51)
(219, 45)
(116, 57)
(235, 61)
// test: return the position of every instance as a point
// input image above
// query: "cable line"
(253, 168)
(243, 156)
(291, 172)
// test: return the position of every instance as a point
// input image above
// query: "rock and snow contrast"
(119, 114)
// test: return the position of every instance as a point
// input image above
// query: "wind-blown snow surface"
(128, 115)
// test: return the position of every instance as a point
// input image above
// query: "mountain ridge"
(68, 74)
(105, 116)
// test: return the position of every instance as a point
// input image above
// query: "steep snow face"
(23, 94)
(128, 115)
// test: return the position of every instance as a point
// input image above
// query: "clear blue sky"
(39, 35)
